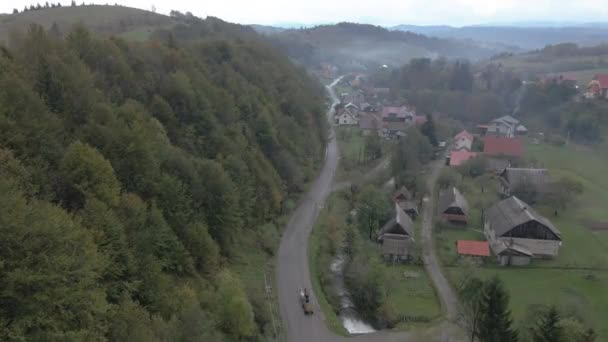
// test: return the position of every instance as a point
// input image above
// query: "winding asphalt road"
(293, 272)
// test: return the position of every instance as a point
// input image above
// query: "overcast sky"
(379, 12)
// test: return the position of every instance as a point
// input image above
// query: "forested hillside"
(352, 44)
(132, 175)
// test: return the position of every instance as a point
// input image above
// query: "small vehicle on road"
(305, 301)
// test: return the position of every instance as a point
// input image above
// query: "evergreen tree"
(496, 323)
(428, 129)
(548, 328)
(15, 11)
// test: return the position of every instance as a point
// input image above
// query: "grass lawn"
(579, 292)
(563, 281)
(412, 293)
(352, 144)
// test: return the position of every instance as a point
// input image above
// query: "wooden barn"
(513, 180)
(397, 237)
(517, 233)
(453, 207)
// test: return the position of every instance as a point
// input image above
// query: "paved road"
(292, 261)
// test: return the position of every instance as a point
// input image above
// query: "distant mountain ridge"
(527, 38)
(364, 44)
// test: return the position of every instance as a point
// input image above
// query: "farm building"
(370, 124)
(406, 202)
(471, 248)
(496, 146)
(513, 180)
(517, 233)
(397, 237)
(453, 207)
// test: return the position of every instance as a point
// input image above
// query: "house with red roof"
(494, 145)
(463, 141)
(598, 87)
(473, 248)
(458, 158)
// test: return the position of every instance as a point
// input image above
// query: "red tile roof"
(464, 135)
(420, 119)
(501, 145)
(475, 248)
(459, 157)
(602, 79)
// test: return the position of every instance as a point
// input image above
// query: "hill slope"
(367, 44)
(526, 38)
(106, 20)
(136, 177)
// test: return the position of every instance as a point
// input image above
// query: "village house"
(397, 237)
(452, 206)
(505, 126)
(463, 141)
(566, 80)
(398, 114)
(345, 118)
(473, 249)
(517, 233)
(406, 202)
(598, 87)
(517, 179)
(496, 146)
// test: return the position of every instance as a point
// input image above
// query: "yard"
(578, 278)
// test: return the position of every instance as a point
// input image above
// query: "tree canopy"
(129, 171)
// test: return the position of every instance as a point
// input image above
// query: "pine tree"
(548, 328)
(15, 11)
(428, 129)
(496, 323)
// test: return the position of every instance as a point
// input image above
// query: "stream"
(351, 320)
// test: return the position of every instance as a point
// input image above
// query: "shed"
(473, 248)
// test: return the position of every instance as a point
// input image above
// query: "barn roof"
(501, 145)
(452, 198)
(369, 121)
(512, 212)
(475, 248)
(522, 176)
(400, 225)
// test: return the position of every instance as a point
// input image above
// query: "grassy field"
(352, 144)
(578, 278)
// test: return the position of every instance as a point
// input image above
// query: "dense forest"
(133, 174)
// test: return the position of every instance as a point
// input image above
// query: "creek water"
(351, 320)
